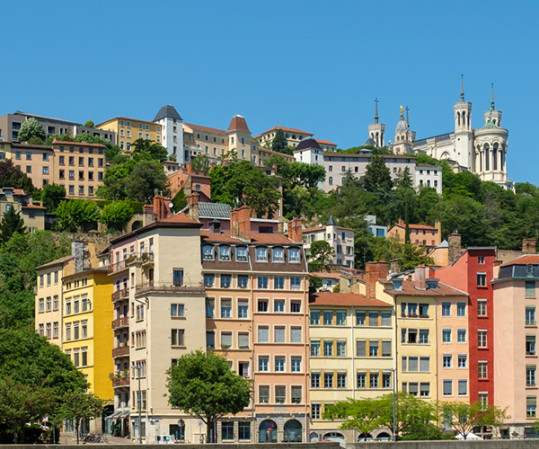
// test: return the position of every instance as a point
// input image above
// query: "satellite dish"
(171, 205)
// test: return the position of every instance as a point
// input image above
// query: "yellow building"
(352, 356)
(128, 130)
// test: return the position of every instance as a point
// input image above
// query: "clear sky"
(307, 64)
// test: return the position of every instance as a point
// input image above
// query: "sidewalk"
(69, 438)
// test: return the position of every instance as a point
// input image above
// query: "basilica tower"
(404, 137)
(376, 129)
(463, 149)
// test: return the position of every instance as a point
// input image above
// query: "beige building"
(128, 130)
(79, 167)
(37, 161)
(293, 136)
(32, 214)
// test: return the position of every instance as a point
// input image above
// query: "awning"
(121, 413)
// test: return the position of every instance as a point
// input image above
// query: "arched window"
(292, 431)
(486, 147)
(495, 156)
(458, 118)
(267, 432)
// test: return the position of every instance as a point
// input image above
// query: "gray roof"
(167, 111)
(214, 210)
(331, 221)
(308, 142)
(439, 138)
(370, 142)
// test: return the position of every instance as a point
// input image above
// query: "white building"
(427, 175)
(172, 132)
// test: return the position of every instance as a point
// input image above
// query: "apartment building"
(128, 130)
(79, 167)
(37, 161)
(16, 199)
(428, 237)
(293, 136)
(515, 343)
(352, 355)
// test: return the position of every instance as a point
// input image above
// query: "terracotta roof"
(33, 206)
(178, 218)
(323, 228)
(409, 289)
(415, 226)
(238, 123)
(325, 142)
(284, 128)
(206, 129)
(77, 144)
(327, 275)
(59, 261)
(255, 238)
(125, 118)
(527, 259)
(345, 299)
(15, 191)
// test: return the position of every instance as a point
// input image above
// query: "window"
(424, 364)
(84, 328)
(176, 310)
(340, 317)
(210, 307)
(294, 255)
(531, 406)
(328, 380)
(263, 363)
(279, 364)
(278, 334)
(177, 277)
(423, 336)
(386, 348)
(243, 281)
(328, 317)
(483, 398)
(227, 430)
(386, 318)
(481, 279)
(328, 348)
(447, 387)
(530, 344)
(262, 305)
(360, 318)
(262, 283)
(177, 337)
(361, 348)
(530, 289)
(295, 306)
(226, 280)
(295, 283)
(226, 308)
(461, 335)
(424, 389)
(243, 309)
(530, 316)
(463, 387)
(315, 380)
(261, 254)
(315, 348)
(480, 259)
(481, 307)
(241, 254)
(278, 282)
(315, 317)
(296, 395)
(277, 255)
(461, 309)
(295, 335)
(446, 309)
(361, 380)
(55, 302)
(462, 361)
(481, 338)
(244, 430)
(447, 361)
(278, 305)
(482, 369)
(263, 334)
(373, 348)
(373, 378)
(263, 394)
(224, 253)
(243, 340)
(208, 252)
(280, 394)
(226, 340)
(446, 335)
(41, 305)
(209, 280)
(295, 364)
(341, 348)
(373, 318)
(210, 339)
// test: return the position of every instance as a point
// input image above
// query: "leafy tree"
(201, 163)
(52, 195)
(74, 215)
(31, 128)
(116, 215)
(409, 256)
(377, 176)
(89, 124)
(203, 385)
(155, 150)
(179, 201)
(78, 405)
(11, 176)
(315, 283)
(10, 224)
(362, 415)
(279, 143)
(463, 417)
(321, 254)
(146, 178)
(241, 183)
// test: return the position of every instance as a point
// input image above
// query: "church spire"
(376, 110)
(492, 96)
(407, 115)
(462, 88)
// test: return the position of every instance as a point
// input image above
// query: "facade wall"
(48, 303)
(37, 161)
(128, 130)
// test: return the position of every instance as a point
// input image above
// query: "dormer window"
(241, 254)
(261, 254)
(208, 252)
(224, 253)
(294, 255)
(277, 255)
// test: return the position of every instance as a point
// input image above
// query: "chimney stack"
(295, 231)
(240, 222)
(454, 247)
(193, 206)
(374, 271)
(189, 168)
(77, 251)
(529, 246)
(421, 277)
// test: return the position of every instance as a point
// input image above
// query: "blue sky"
(313, 65)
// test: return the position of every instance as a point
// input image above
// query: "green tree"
(89, 124)
(362, 415)
(10, 224)
(179, 201)
(321, 253)
(52, 195)
(31, 128)
(75, 215)
(146, 178)
(155, 150)
(201, 163)
(116, 215)
(203, 385)
(78, 406)
(409, 256)
(11, 176)
(463, 417)
(279, 143)
(315, 283)
(377, 176)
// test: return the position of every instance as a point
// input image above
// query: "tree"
(377, 176)
(10, 224)
(201, 163)
(78, 405)
(362, 415)
(203, 385)
(179, 201)
(409, 256)
(89, 124)
(31, 128)
(464, 417)
(74, 215)
(155, 150)
(52, 195)
(279, 143)
(146, 178)
(321, 254)
(11, 176)
(116, 215)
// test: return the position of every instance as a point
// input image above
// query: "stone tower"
(463, 149)
(376, 129)
(404, 137)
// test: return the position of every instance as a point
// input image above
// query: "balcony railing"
(120, 381)
(164, 287)
(120, 294)
(144, 258)
(120, 322)
(120, 351)
(118, 266)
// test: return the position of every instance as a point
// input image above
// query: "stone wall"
(450, 444)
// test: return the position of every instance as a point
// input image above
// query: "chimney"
(234, 225)
(77, 251)
(189, 168)
(438, 226)
(529, 246)
(295, 231)
(421, 277)
(193, 206)
(454, 247)
(395, 266)
(374, 271)
(244, 222)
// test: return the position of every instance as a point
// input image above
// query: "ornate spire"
(492, 97)
(402, 116)
(407, 115)
(462, 88)
(376, 110)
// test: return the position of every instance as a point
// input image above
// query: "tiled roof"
(167, 111)
(33, 206)
(255, 238)
(59, 261)
(323, 228)
(206, 129)
(214, 210)
(326, 275)
(178, 218)
(77, 144)
(238, 123)
(415, 226)
(325, 142)
(124, 118)
(284, 128)
(15, 191)
(308, 143)
(527, 259)
(345, 299)
(409, 288)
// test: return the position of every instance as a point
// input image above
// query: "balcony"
(167, 287)
(120, 381)
(120, 322)
(120, 294)
(117, 267)
(120, 351)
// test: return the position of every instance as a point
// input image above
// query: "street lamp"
(139, 396)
